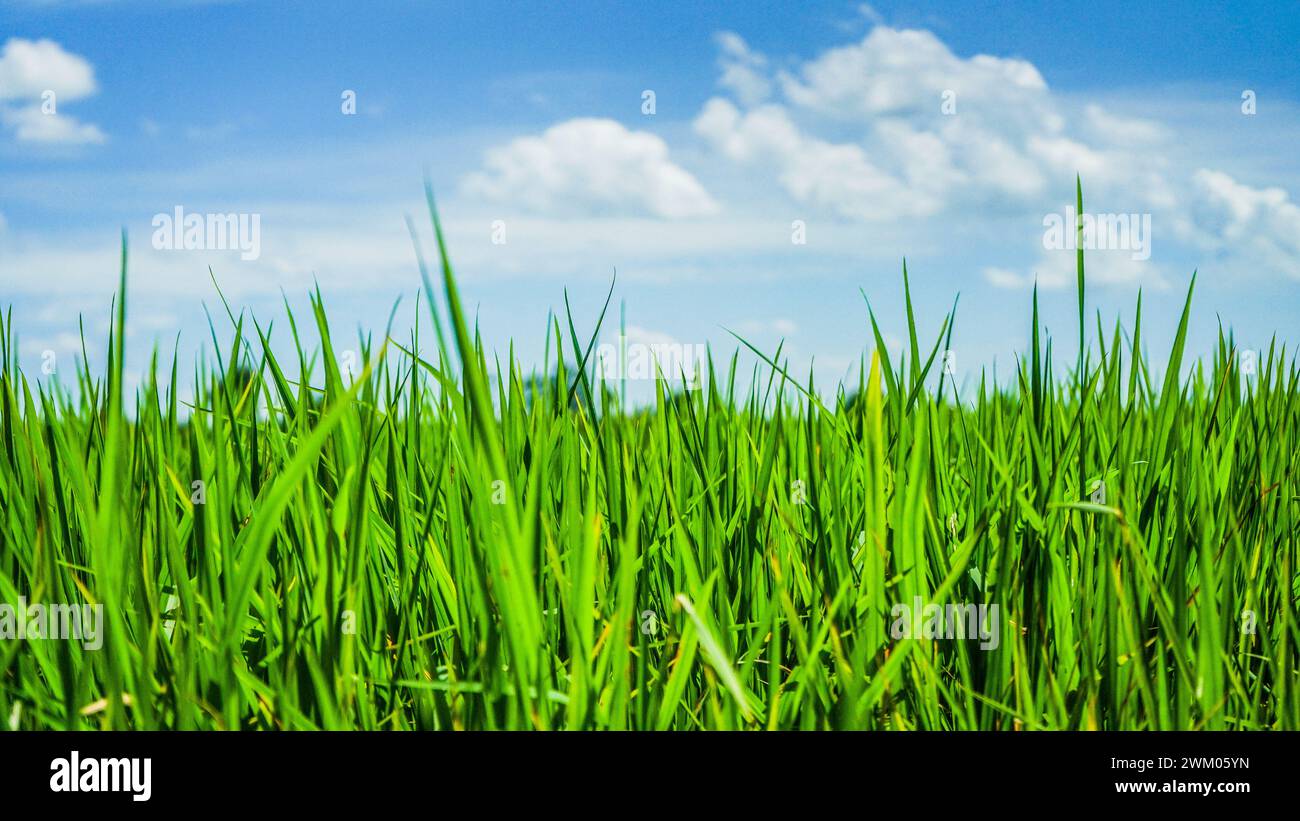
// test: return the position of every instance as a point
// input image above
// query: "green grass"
(431, 545)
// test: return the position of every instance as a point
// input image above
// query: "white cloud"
(1004, 278)
(29, 68)
(1259, 225)
(903, 155)
(1107, 127)
(839, 178)
(894, 72)
(590, 166)
(897, 127)
(38, 77)
(30, 124)
(636, 334)
(929, 129)
(1056, 269)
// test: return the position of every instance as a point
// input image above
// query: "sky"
(755, 168)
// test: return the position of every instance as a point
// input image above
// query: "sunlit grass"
(441, 542)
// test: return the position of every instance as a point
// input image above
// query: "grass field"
(431, 545)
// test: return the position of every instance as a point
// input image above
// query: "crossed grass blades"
(650, 568)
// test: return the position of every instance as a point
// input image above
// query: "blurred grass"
(441, 543)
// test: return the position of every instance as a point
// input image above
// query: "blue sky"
(529, 117)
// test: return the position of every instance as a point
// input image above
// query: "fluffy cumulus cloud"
(895, 72)
(28, 68)
(893, 126)
(37, 77)
(1259, 224)
(898, 127)
(838, 177)
(591, 166)
(897, 134)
